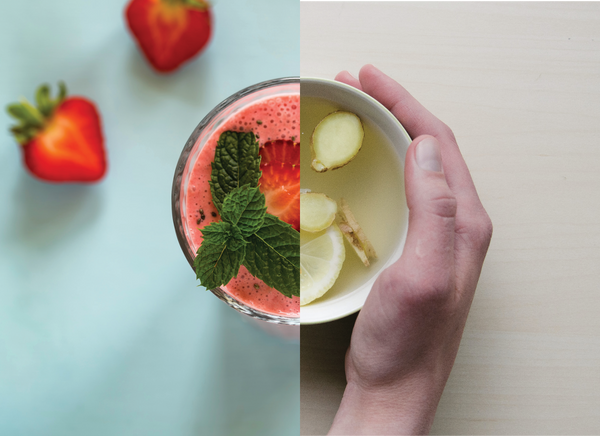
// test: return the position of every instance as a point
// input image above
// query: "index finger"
(419, 121)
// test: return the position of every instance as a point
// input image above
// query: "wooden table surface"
(519, 83)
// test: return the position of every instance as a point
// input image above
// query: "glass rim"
(176, 197)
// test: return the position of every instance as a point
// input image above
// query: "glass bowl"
(211, 122)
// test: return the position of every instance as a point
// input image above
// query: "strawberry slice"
(281, 150)
(280, 180)
(62, 138)
(169, 32)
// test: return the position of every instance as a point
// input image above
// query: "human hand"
(407, 335)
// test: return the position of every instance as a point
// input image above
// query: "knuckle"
(447, 132)
(444, 205)
(483, 229)
(486, 228)
(479, 231)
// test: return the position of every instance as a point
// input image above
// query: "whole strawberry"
(61, 138)
(170, 32)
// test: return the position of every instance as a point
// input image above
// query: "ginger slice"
(348, 217)
(351, 237)
(336, 140)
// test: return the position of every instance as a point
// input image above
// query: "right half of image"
(449, 230)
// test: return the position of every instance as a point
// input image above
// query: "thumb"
(429, 250)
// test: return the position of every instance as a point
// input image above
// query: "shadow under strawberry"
(193, 84)
(46, 216)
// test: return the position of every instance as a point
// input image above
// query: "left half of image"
(149, 233)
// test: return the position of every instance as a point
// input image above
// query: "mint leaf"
(236, 164)
(245, 208)
(224, 233)
(216, 233)
(273, 255)
(221, 254)
(216, 264)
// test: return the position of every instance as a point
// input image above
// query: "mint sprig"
(249, 236)
(236, 164)
(268, 247)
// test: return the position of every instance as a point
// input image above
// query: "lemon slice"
(317, 211)
(321, 260)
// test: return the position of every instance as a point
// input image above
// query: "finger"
(348, 79)
(428, 257)
(414, 117)
(419, 121)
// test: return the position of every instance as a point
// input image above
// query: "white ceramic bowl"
(374, 115)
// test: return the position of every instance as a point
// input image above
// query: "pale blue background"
(103, 330)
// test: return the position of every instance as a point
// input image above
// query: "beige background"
(519, 83)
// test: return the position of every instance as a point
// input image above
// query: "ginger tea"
(373, 186)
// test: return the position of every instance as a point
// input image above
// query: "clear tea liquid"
(372, 184)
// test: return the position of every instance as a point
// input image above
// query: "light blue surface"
(103, 330)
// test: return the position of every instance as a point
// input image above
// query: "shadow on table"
(193, 367)
(254, 388)
(322, 378)
(189, 85)
(45, 214)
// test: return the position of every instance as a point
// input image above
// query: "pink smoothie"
(270, 119)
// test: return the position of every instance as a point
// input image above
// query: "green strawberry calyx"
(32, 119)
(201, 5)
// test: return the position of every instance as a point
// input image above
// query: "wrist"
(407, 407)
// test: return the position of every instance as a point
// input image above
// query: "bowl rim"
(386, 112)
(361, 93)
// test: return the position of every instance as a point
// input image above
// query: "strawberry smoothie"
(270, 119)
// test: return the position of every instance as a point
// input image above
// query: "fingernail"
(429, 154)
